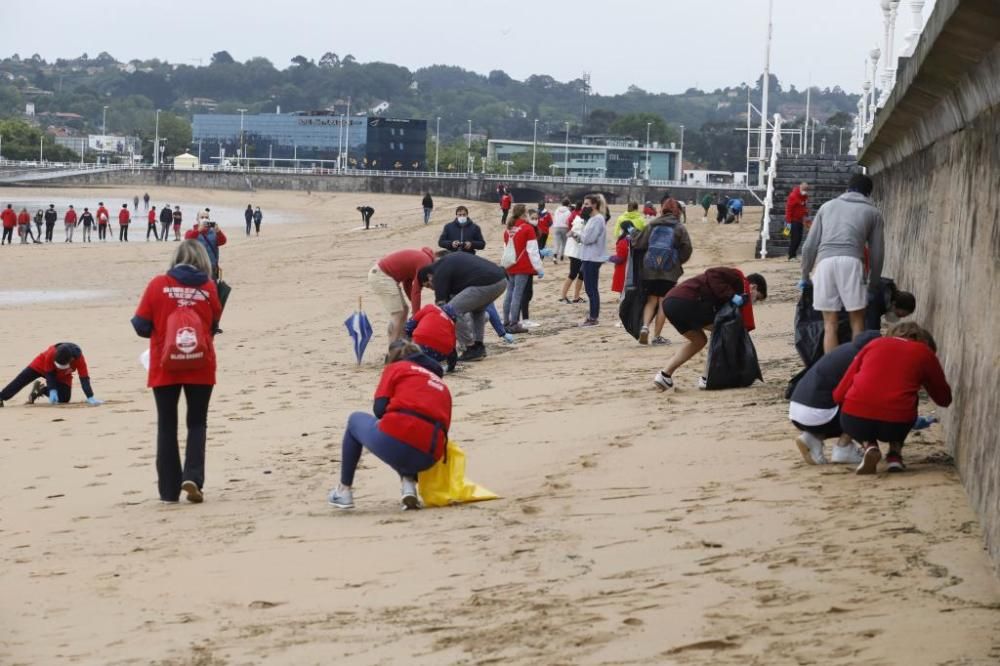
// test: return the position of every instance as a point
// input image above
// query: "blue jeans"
(427, 215)
(591, 283)
(516, 284)
(362, 432)
(491, 312)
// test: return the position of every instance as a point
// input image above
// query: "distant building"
(318, 137)
(186, 162)
(705, 177)
(597, 157)
(379, 108)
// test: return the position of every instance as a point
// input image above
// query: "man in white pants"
(836, 246)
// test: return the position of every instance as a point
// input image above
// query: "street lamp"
(566, 155)
(41, 148)
(648, 126)
(534, 148)
(635, 170)
(680, 158)
(468, 155)
(104, 121)
(156, 141)
(437, 145)
(243, 150)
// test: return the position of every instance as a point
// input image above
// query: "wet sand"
(635, 527)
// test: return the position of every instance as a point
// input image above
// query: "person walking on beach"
(69, 220)
(468, 284)
(166, 217)
(9, 219)
(123, 221)
(428, 205)
(177, 218)
(135, 203)
(87, 222)
(796, 210)
(51, 217)
(522, 261)
(248, 217)
(179, 313)
(145, 200)
(56, 366)
(409, 428)
(843, 227)
(103, 218)
(506, 201)
(878, 394)
(461, 234)
(706, 203)
(593, 252)
(572, 250)
(393, 279)
(39, 221)
(211, 237)
(151, 221)
(560, 230)
(665, 246)
(691, 306)
(367, 212)
(24, 226)
(623, 245)
(258, 217)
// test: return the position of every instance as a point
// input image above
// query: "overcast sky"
(658, 45)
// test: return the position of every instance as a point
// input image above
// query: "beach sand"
(635, 527)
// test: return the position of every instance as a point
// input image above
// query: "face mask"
(62, 366)
(533, 221)
(586, 211)
(891, 317)
(462, 220)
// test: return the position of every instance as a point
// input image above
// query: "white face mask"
(533, 221)
(462, 220)
(891, 317)
(62, 366)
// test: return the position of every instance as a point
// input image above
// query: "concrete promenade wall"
(934, 154)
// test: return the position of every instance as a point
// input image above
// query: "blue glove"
(411, 325)
(540, 274)
(546, 252)
(737, 300)
(508, 338)
(450, 311)
(923, 422)
(94, 402)
(802, 284)
(54, 397)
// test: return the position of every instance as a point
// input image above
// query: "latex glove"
(737, 300)
(545, 252)
(924, 422)
(411, 325)
(94, 402)
(802, 284)
(540, 274)
(508, 338)
(54, 397)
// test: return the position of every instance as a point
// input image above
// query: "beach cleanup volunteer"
(56, 365)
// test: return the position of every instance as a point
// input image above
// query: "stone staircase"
(827, 176)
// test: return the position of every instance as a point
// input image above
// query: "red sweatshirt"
(529, 261)
(123, 217)
(435, 329)
(505, 202)
(883, 381)
(70, 218)
(544, 223)
(102, 215)
(45, 363)
(795, 206)
(24, 218)
(412, 388)
(9, 218)
(403, 266)
(152, 218)
(621, 254)
(717, 286)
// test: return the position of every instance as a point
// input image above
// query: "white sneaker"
(663, 382)
(847, 455)
(702, 383)
(342, 499)
(409, 500)
(811, 448)
(527, 323)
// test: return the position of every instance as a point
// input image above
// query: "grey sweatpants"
(559, 239)
(470, 306)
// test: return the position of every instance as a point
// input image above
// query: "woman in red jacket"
(878, 394)
(409, 431)
(524, 262)
(179, 313)
(620, 258)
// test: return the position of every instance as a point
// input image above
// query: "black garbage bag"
(732, 358)
(633, 302)
(809, 328)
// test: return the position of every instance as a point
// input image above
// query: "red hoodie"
(795, 207)
(24, 218)
(525, 249)
(102, 215)
(152, 218)
(411, 389)
(123, 217)
(544, 223)
(9, 218)
(621, 254)
(505, 202)
(435, 329)
(45, 363)
(70, 218)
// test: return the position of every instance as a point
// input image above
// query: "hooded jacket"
(463, 233)
(45, 365)
(815, 389)
(637, 219)
(528, 260)
(795, 206)
(842, 227)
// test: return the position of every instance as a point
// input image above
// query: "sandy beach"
(635, 527)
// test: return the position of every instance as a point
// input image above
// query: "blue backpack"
(661, 255)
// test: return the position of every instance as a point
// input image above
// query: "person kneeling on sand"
(56, 365)
(433, 330)
(691, 306)
(815, 413)
(879, 392)
(409, 430)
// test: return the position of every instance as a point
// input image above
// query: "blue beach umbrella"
(360, 330)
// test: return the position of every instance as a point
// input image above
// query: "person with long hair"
(560, 230)
(593, 252)
(527, 262)
(179, 313)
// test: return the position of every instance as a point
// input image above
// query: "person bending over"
(56, 365)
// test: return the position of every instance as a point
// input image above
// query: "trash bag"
(809, 328)
(633, 302)
(445, 482)
(732, 358)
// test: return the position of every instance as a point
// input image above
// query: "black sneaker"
(37, 391)
(894, 463)
(477, 352)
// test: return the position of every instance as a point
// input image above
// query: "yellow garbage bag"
(445, 482)
(787, 231)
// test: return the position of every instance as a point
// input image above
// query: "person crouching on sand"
(879, 392)
(179, 313)
(691, 306)
(56, 365)
(409, 430)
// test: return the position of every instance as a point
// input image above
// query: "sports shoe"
(475, 352)
(588, 322)
(409, 500)
(193, 492)
(869, 460)
(644, 335)
(660, 340)
(894, 463)
(702, 383)
(811, 448)
(37, 391)
(663, 381)
(516, 328)
(342, 499)
(527, 323)
(846, 455)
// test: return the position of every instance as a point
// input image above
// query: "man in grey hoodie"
(836, 247)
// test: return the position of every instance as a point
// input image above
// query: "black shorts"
(658, 288)
(686, 315)
(575, 266)
(828, 430)
(871, 430)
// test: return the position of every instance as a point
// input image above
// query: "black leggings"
(151, 229)
(529, 292)
(122, 233)
(8, 236)
(168, 458)
(794, 239)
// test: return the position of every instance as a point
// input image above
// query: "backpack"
(509, 256)
(187, 345)
(661, 255)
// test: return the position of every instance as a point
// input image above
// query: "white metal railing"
(772, 171)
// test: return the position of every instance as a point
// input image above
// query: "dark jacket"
(815, 389)
(248, 214)
(51, 216)
(459, 270)
(682, 242)
(427, 202)
(468, 232)
(716, 286)
(166, 216)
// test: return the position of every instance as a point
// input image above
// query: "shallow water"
(34, 296)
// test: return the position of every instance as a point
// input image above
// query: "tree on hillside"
(840, 119)
(301, 61)
(329, 60)
(222, 58)
(599, 121)
(634, 125)
(20, 142)
(175, 132)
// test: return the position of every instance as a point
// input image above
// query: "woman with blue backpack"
(664, 246)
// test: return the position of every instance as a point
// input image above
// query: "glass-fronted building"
(611, 159)
(314, 138)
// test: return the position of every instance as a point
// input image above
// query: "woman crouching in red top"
(878, 393)
(179, 313)
(409, 431)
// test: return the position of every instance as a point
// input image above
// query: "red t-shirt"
(883, 381)
(45, 363)
(70, 218)
(9, 218)
(544, 223)
(162, 296)
(123, 216)
(24, 218)
(523, 234)
(102, 215)
(152, 217)
(435, 329)
(410, 387)
(402, 266)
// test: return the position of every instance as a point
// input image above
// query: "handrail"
(772, 172)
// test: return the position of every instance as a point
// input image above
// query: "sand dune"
(635, 527)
